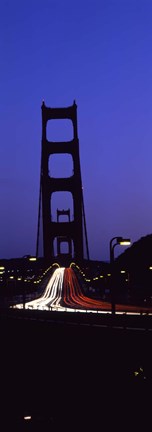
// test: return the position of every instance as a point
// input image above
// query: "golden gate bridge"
(64, 291)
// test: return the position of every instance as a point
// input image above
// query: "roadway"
(63, 292)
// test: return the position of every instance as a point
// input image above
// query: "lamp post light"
(122, 242)
(26, 260)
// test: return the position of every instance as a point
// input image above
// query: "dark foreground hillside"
(74, 377)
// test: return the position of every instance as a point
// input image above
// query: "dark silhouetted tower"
(72, 230)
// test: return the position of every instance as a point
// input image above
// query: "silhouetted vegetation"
(136, 262)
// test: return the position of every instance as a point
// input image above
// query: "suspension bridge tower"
(72, 231)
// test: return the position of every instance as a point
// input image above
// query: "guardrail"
(124, 321)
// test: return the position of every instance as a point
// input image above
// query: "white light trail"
(52, 294)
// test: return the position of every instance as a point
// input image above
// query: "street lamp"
(26, 260)
(122, 242)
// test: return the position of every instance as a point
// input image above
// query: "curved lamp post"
(122, 242)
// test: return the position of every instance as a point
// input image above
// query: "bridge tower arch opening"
(64, 240)
(71, 231)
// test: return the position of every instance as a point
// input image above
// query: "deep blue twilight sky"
(98, 52)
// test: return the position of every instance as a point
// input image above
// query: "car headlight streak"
(53, 292)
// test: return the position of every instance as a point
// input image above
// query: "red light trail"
(74, 297)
